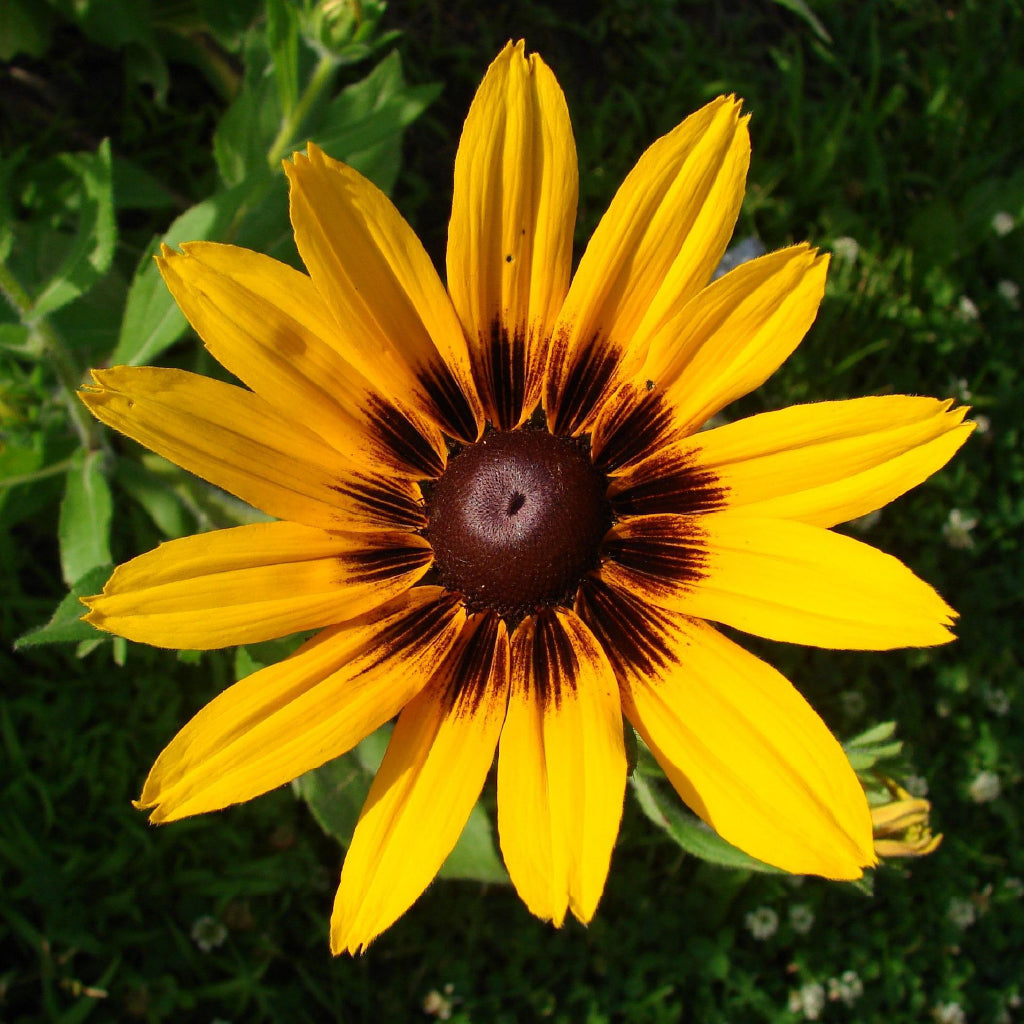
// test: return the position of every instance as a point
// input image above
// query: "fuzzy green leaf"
(85, 514)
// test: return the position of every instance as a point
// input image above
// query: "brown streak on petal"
(671, 481)
(470, 665)
(378, 564)
(633, 634)
(672, 552)
(393, 509)
(454, 412)
(586, 380)
(553, 658)
(400, 437)
(412, 633)
(639, 428)
(504, 372)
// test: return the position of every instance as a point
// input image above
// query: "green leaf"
(363, 125)
(66, 624)
(801, 9)
(156, 496)
(474, 856)
(25, 27)
(85, 514)
(152, 321)
(665, 810)
(282, 38)
(93, 246)
(336, 792)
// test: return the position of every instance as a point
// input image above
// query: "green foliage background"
(885, 131)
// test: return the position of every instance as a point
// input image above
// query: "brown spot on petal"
(671, 481)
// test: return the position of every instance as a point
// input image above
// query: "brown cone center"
(517, 520)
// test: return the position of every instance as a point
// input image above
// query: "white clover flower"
(809, 1000)
(801, 918)
(948, 1013)
(846, 989)
(762, 923)
(961, 912)
(957, 529)
(985, 787)
(208, 932)
(982, 424)
(1003, 223)
(865, 522)
(998, 701)
(966, 310)
(846, 249)
(916, 785)
(1009, 292)
(437, 1005)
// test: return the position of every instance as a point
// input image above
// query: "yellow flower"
(505, 578)
(900, 823)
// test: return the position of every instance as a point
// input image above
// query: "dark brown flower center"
(517, 520)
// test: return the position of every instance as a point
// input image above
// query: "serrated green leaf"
(665, 810)
(85, 514)
(65, 625)
(95, 237)
(152, 321)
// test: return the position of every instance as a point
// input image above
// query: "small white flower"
(846, 989)
(436, 1005)
(957, 530)
(963, 389)
(801, 918)
(985, 787)
(809, 1000)
(916, 785)
(865, 522)
(948, 1013)
(961, 912)
(762, 923)
(982, 424)
(1009, 292)
(1014, 886)
(208, 933)
(966, 310)
(846, 249)
(998, 701)
(1002, 223)
(853, 702)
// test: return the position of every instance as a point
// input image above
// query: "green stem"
(291, 124)
(40, 474)
(68, 374)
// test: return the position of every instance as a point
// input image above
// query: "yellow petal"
(267, 324)
(822, 464)
(235, 440)
(743, 749)
(435, 766)
(655, 248)
(253, 583)
(721, 345)
(510, 238)
(778, 579)
(561, 767)
(294, 716)
(400, 329)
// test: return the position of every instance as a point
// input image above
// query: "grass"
(886, 124)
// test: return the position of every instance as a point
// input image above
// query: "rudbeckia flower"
(494, 502)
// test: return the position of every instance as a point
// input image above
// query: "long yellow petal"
(510, 238)
(235, 440)
(655, 248)
(253, 583)
(266, 323)
(561, 767)
(779, 579)
(822, 464)
(401, 331)
(435, 766)
(744, 750)
(723, 343)
(294, 716)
